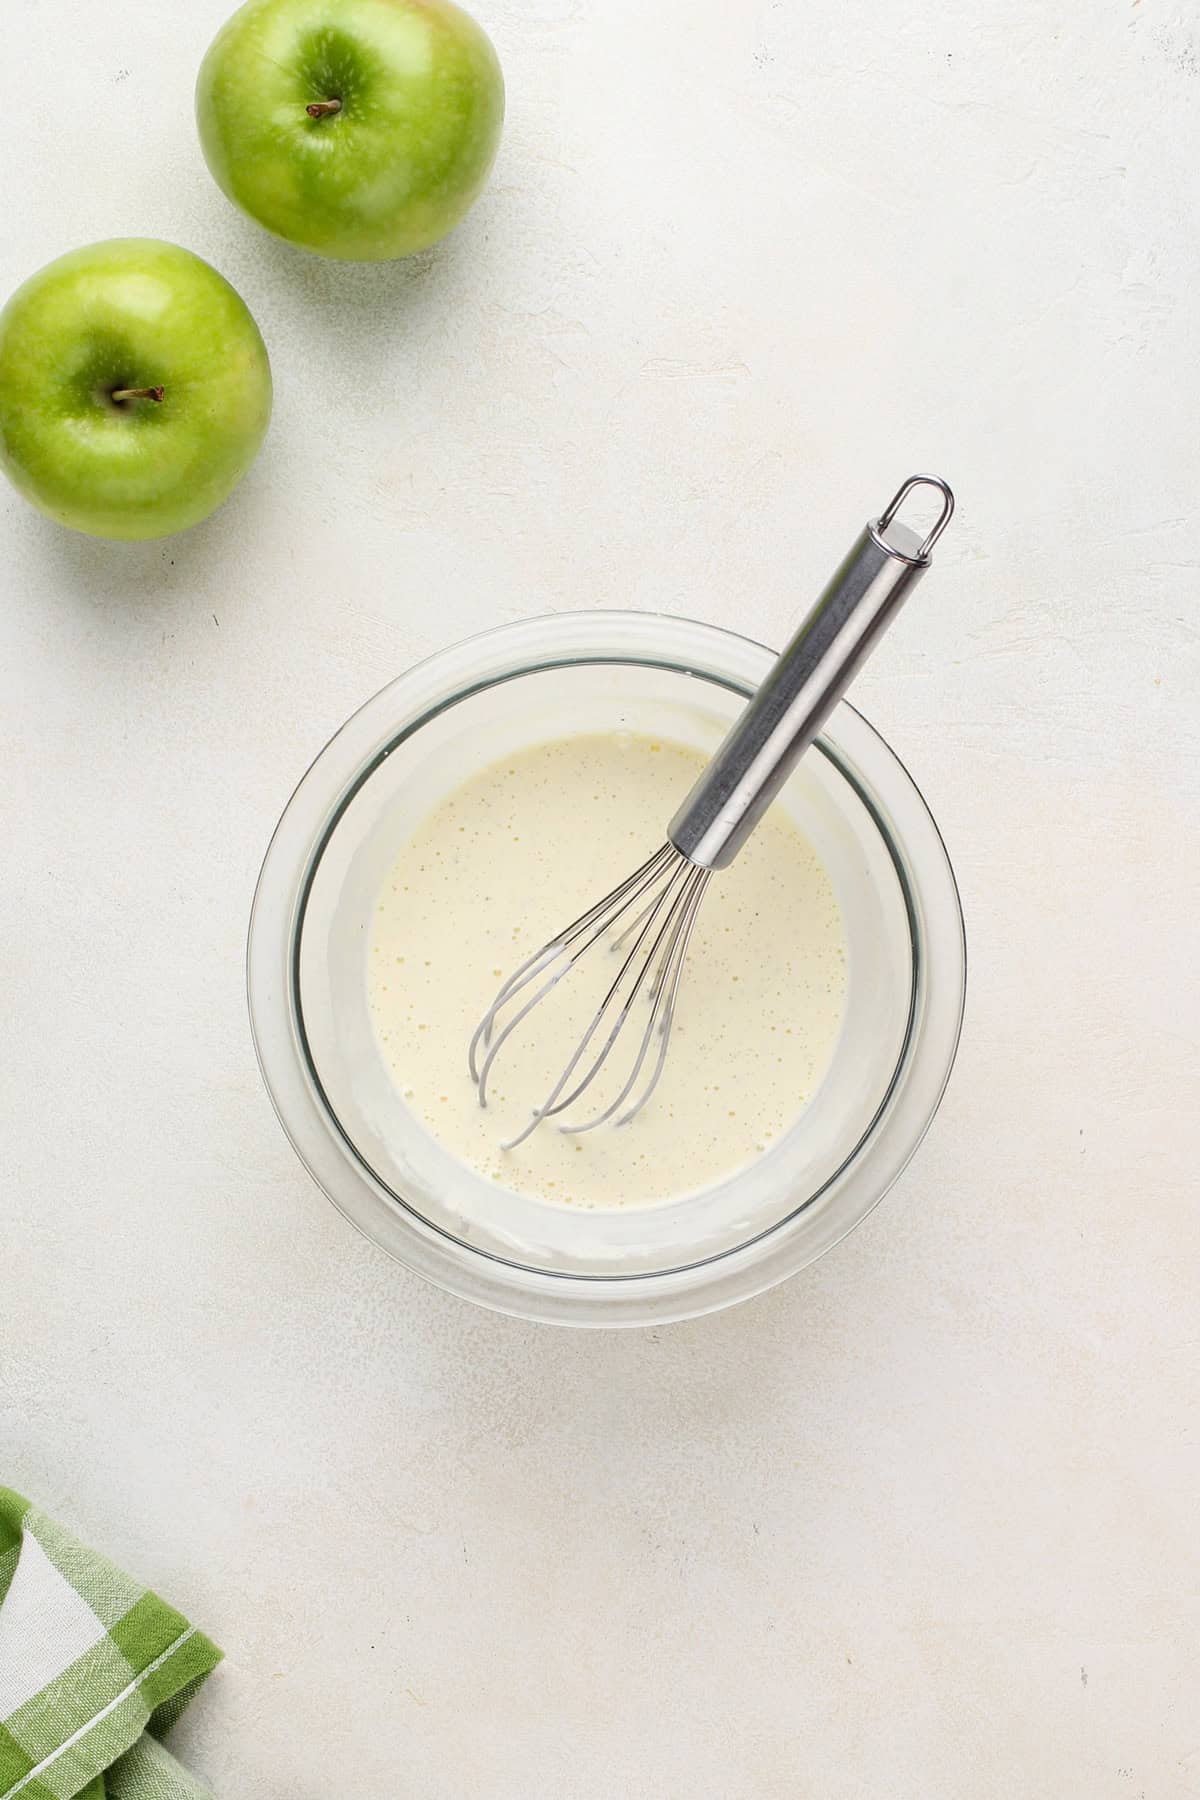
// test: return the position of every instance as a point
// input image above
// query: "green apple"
(361, 129)
(134, 389)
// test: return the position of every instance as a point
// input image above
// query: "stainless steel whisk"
(655, 908)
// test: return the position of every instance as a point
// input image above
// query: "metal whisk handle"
(806, 683)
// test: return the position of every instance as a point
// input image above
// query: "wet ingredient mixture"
(517, 853)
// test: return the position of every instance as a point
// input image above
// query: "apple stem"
(321, 109)
(153, 393)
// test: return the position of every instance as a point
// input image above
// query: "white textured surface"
(923, 1522)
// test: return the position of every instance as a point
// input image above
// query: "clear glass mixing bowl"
(368, 789)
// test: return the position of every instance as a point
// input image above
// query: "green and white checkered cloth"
(93, 1670)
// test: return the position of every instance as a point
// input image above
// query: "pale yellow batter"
(512, 857)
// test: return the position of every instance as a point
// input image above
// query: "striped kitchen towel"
(93, 1670)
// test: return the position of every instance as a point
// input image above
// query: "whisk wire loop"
(648, 920)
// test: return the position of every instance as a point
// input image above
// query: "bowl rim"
(309, 1120)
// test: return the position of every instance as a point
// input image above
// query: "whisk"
(649, 918)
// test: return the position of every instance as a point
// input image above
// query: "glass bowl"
(306, 972)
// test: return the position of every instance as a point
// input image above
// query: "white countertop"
(923, 1522)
